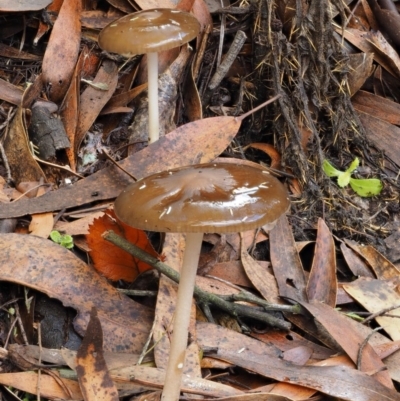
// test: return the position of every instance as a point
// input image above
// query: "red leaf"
(111, 261)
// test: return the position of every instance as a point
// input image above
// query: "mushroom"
(216, 197)
(149, 31)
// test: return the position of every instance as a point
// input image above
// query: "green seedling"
(364, 187)
(64, 240)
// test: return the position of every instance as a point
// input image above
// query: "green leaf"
(329, 170)
(64, 240)
(366, 187)
(344, 179)
(55, 236)
(67, 241)
(354, 164)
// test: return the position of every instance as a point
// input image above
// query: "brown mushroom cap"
(149, 31)
(216, 197)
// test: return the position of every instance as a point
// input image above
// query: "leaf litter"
(99, 97)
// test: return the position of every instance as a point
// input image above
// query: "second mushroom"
(149, 32)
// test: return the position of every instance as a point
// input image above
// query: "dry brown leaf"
(41, 223)
(338, 381)
(93, 375)
(69, 112)
(17, 148)
(377, 106)
(193, 108)
(23, 5)
(197, 142)
(375, 295)
(10, 93)
(383, 135)
(62, 50)
(50, 268)
(94, 99)
(362, 40)
(286, 341)
(77, 227)
(271, 152)
(361, 69)
(286, 263)
(336, 326)
(322, 282)
(388, 18)
(154, 378)
(381, 266)
(355, 263)
(232, 272)
(12, 52)
(122, 99)
(147, 4)
(261, 278)
(49, 387)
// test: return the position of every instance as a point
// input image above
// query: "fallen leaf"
(49, 386)
(355, 263)
(62, 50)
(382, 267)
(10, 93)
(271, 152)
(93, 99)
(322, 282)
(337, 381)
(262, 279)
(111, 261)
(336, 326)
(41, 223)
(93, 375)
(47, 267)
(154, 378)
(69, 110)
(360, 69)
(382, 134)
(286, 263)
(377, 106)
(197, 142)
(23, 5)
(17, 148)
(376, 295)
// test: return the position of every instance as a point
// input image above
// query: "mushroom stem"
(173, 375)
(152, 74)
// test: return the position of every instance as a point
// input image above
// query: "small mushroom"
(149, 31)
(216, 197)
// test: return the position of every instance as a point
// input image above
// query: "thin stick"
(243, 116)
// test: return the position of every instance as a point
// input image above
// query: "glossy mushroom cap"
(149, 31)
(216, 197)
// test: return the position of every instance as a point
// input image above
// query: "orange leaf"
(111, 261)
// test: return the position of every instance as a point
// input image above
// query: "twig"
(228, 60)
(380, 313)
(362, 346)
(204, 297)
